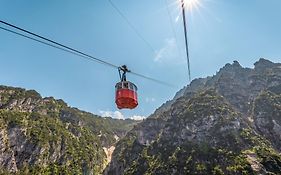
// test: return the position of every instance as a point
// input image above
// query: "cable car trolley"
(125, 91)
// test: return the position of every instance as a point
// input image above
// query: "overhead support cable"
(132, 26)
(152, 79)
(61, 45)
(54, 44)
(185, 37)
(46, 43)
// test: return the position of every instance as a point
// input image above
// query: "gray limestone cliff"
(45, 136)
(229, 123)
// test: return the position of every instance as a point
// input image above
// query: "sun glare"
(191, 3)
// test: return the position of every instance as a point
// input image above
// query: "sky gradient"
(219, 32)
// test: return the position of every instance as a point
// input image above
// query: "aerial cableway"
(126, 91)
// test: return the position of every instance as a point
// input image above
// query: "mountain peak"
(231, 67)
(216, 125)
(263, 64)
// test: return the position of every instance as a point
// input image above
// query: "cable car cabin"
(126, 95)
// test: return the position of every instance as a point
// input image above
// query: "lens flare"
(192, 6)
(191, 3)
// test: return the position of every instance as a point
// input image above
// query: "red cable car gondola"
(125, 91)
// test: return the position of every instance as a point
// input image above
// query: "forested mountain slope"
(45, 136)
(229, 123)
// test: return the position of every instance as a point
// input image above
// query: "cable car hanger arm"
(124, 70)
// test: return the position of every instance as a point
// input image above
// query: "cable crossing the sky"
(43, 42)
(185, 38)
(68, 49)
(61, 45)
(132, 26)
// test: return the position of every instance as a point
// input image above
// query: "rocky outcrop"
(237, 84)
(45, 136)
(267, 117)
(225, 124)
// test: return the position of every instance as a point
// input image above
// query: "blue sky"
(219, 32)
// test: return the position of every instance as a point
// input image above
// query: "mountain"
(229, 123)
(45, 136)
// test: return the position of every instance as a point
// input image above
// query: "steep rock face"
(44, 135)
(38, 144)
(237, 84)
(228, 130)
(267, 117)
(206, 136)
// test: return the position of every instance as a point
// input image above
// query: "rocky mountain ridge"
(229, 123)
(225, 124)
(45, 136)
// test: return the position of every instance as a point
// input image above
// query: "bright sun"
(191, 3)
